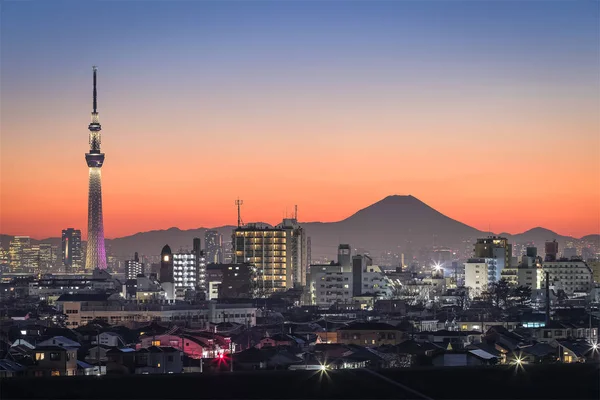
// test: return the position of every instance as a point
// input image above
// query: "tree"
(498, 293)
(522, 295)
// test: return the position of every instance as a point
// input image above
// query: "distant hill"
(392, 224)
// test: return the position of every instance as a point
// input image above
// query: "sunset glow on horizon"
(488, 112)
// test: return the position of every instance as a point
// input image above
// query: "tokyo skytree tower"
(96, 253)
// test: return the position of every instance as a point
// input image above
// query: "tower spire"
(95, 94)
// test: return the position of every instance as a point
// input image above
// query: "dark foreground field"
(581, 381)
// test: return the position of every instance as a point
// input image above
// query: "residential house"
(460, 358)
(54, 361)
(10, 369)
(538, 353)
(159, 360)
(370, 334)
(457, 339)
(280, 340)
(121, 361)
(571, 351)
(110, 339)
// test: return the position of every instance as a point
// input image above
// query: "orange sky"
(492, 117)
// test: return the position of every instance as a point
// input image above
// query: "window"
(55, 373)
(39, 356)
(170, 358)
(55, 356)
(156, 343)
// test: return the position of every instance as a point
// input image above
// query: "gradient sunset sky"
(487, 111)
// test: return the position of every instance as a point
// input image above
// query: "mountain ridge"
(396, 222)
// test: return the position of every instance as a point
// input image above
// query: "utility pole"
(547, 299)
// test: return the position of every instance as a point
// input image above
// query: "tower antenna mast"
(239, 203)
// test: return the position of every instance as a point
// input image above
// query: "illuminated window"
(166, 258)
(156, 343)
(55, 373)
(39, 356)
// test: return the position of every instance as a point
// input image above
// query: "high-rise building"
(213, 242)
(71, 249)
(184, 271)
(45, 257)
(228, 252)
(279, 254)
(200, 259)
(201, 272)
(551, 251)
(134, 267)
(32, 258)
(498, 254)
(96, 252)
(17, 249)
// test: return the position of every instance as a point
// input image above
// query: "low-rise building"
(370, 334)
(83, 308)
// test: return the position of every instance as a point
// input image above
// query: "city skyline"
(494, 127)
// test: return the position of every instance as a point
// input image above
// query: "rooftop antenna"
(239, 203)
(296, 212)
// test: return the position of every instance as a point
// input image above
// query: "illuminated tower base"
(96, 253)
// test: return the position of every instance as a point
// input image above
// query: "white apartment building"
(335, 284)
(572, 276)
(184, 271)
(329, 285)
(476, 276)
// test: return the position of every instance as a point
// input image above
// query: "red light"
(221, 355)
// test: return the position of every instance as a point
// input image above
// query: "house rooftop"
(369, 326)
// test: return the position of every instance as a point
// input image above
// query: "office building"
(279, 254)
(95, 250)
(133, 268)
(551, 251)
(213, 243)
(32, 257)
(17, 251)
(71, 250)
(47, 256)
